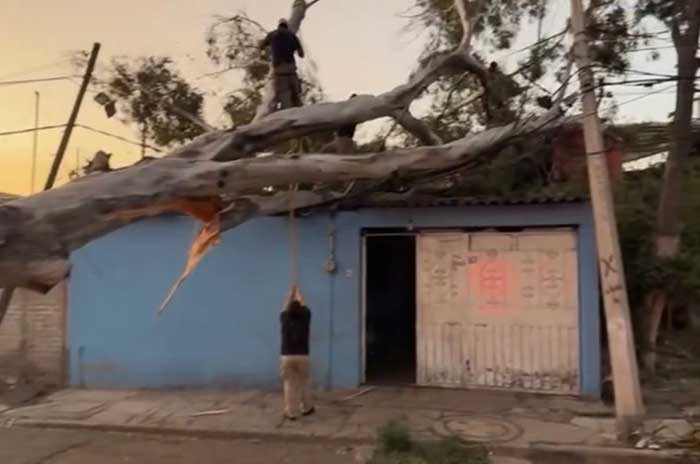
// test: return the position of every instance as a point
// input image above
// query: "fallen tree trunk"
(246, 141)
(37, 233)
(212, 178)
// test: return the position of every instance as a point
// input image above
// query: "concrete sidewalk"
(509, 423)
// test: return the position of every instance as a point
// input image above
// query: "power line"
(647, 82)
(649, 94)
(651, 36)
(25, 131)
(536, 44)
(30, 81)
(626, 94)
(651, 49)
(82, 126)
(34, 69)
(648, 73)
(118, 137)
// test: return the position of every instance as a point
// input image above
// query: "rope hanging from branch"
(293, 239)
(295, 292)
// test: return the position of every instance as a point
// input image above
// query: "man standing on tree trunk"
(283, 44)
(295, 366)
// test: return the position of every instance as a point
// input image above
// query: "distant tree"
(152, 94)
(682, 20)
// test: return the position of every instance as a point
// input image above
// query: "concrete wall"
(32, 334)
(222, 327)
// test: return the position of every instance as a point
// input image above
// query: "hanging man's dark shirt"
(283, 44)
(296, 322)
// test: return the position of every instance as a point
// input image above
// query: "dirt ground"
(34, 446)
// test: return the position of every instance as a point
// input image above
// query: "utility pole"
(628, 398)
(73, 116)
(7, 293)
(143, 144)
(36, 140)
(5, 298)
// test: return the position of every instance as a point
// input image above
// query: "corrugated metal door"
(442, 308)
(498, 310)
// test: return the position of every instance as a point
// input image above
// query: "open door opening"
(390, 319)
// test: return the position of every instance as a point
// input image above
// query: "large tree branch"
(190, 117)
(467, 28)
(460, 60)
(417, 127)
(37, 233)
(245, 141)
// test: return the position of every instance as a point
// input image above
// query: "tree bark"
(246, 141)
(5, 299)
(417, 127)
(668, 219)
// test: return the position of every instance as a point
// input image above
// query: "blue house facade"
(356, 268)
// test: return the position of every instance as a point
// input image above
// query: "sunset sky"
(359, 46)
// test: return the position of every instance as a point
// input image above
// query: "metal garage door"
(498, 310)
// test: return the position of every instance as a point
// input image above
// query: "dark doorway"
(390, 322)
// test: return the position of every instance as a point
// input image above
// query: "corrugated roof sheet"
(399, 201)
(648, 138)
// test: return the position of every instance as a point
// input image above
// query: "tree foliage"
(455, 109)
(151, 93)
(679, 275)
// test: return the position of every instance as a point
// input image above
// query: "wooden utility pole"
(5, 298)
(628, 398)
(35, 145)
(7, 293)
(73, 117)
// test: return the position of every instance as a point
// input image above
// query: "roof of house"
(640, 139)
(647, 138)
(422, 201)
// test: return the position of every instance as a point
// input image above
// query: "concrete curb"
(192, 433)
(539, 453)
(578, 454)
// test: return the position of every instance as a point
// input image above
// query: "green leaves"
(152, 94)
(636, 202)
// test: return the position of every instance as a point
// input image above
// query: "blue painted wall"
(222, 326)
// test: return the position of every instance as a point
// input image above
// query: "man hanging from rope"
(283, 44)
(295, 367)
